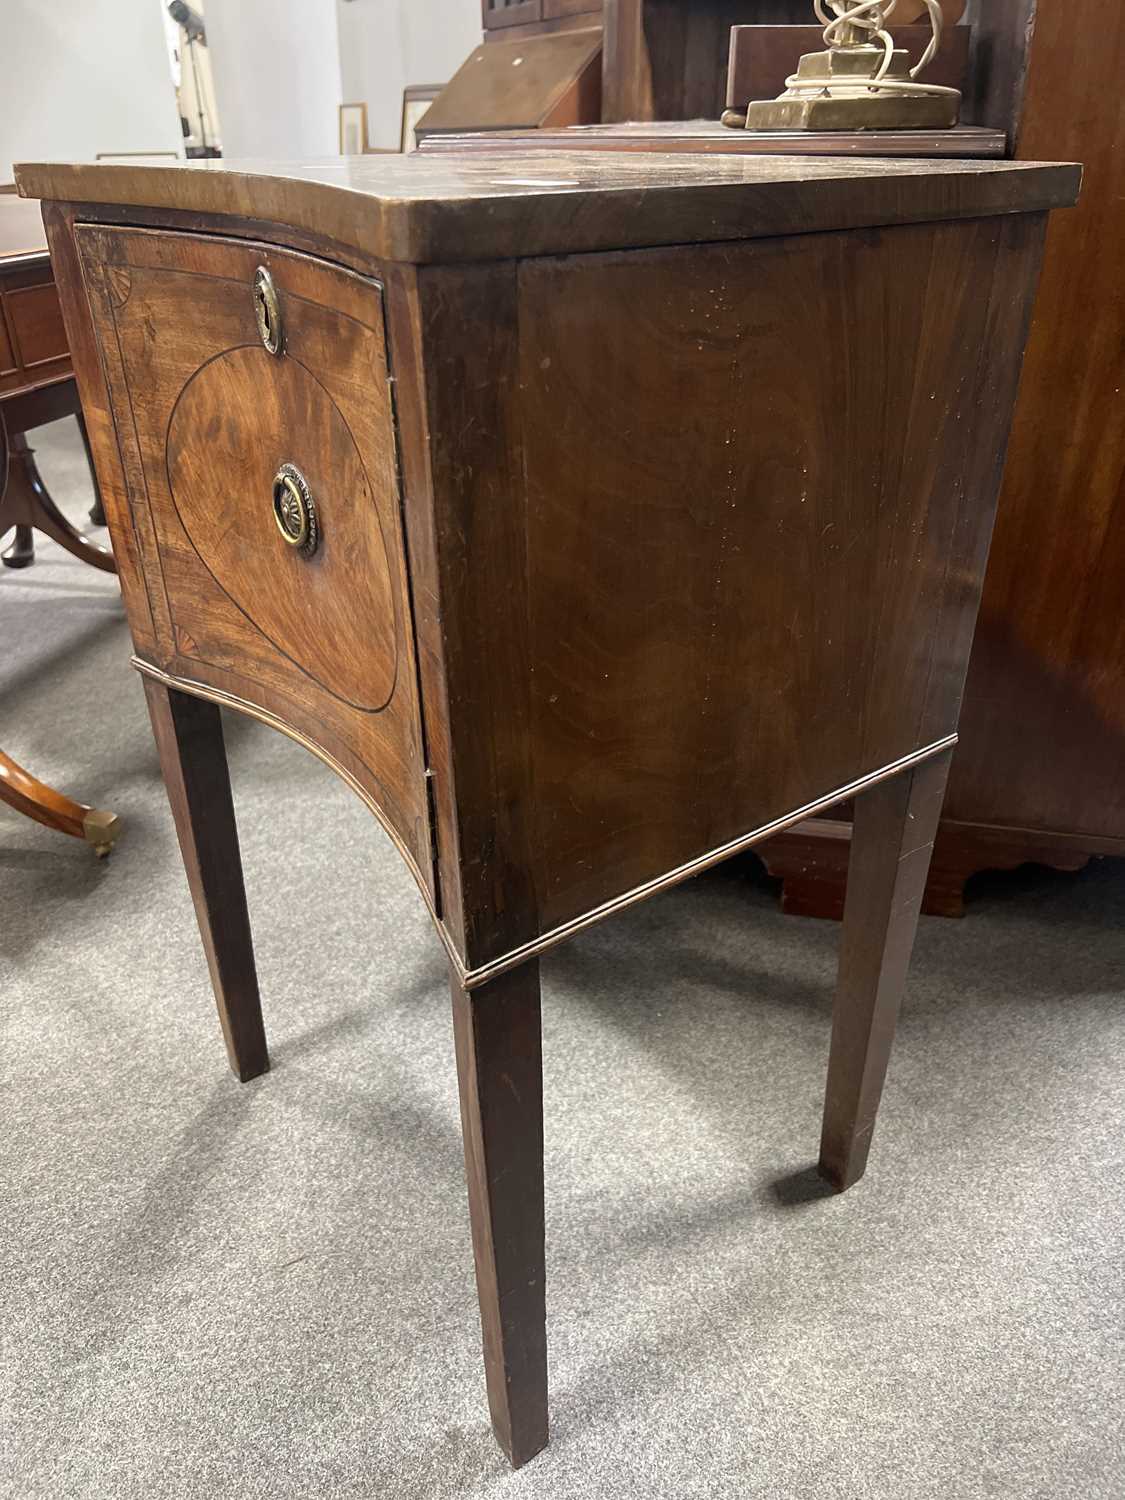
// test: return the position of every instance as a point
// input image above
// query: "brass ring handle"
(267, 310)
(294, 510)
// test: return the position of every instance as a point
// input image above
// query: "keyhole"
(267, 310)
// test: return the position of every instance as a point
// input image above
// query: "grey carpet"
(209, 1289)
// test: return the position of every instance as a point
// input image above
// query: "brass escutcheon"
(267, 310)
(294, 509)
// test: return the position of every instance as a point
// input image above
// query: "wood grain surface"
(685, 645)
(553, 80)
(423, 209)
(1044, 743)
(206, 417)
(33, 346)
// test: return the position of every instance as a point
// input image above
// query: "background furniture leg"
(21, 554)
(27, 502)
(97, 510)
(500, 1073)
(189, 737)
(895, 824)
(35, 799)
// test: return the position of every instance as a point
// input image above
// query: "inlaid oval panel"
(236, 422)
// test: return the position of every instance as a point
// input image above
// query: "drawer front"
(253, 412)
(33, 347)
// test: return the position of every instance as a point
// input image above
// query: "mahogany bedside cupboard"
(592, 516)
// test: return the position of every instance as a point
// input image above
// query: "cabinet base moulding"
(811, 861)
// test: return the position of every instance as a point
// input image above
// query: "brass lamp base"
(823, 112)
(848, 99)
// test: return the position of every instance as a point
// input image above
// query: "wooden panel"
(503, 13)
(469, 347)
(325, 642)
(580, 21)
(552, 9)
(582, 101)
(715, 616)
(109, 458)
(405, 326)
(626, 76)
(37, 326)
(666, 60)
(700, 502)
(998, 53)
(9, 363)
(514, 83)
(1044, 716)
(33, 347)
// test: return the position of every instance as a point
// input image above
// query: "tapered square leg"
(189, 737)
(500, 1072)
(892, 839)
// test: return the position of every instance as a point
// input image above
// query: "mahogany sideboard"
(593, 516)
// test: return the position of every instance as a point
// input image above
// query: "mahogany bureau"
(592, 516)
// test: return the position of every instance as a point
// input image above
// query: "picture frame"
(416, 100)
(353, 129)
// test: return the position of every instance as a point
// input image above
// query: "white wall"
(276, 67)
(386, 44)
(83, 76)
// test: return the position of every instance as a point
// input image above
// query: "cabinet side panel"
(58, 219)
(760, 482)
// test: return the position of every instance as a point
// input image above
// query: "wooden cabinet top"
(704, 137)
(495, 206)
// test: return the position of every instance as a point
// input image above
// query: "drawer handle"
(294, 509)
(267, 310)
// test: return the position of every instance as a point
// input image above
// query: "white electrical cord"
(870, 16)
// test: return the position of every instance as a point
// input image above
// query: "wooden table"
(37, 385)
(593, 516)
